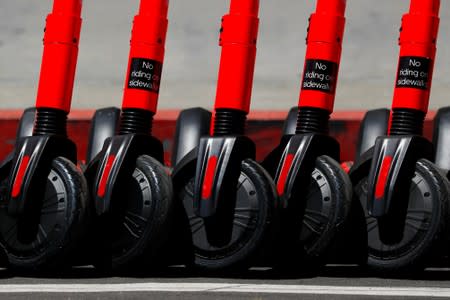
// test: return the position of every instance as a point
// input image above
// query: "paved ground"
(367, 70)
(331, 283)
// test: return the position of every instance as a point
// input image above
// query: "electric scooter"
(404, 195)
(229, 199)
(43, 197)
(130, 187)
(315, 192)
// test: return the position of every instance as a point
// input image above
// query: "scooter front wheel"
(308, 237)
(135, 231)
(252, 223)
(59, 227)
(327, 206)
(426, 230)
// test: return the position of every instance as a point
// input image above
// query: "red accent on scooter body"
(61, 38)
(417, 42)
(238, 39)
(324, 44)
(17, 185)
(146, 56)
(105, 176)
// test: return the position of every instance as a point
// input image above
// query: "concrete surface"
(367, 69)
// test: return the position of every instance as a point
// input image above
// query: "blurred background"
(367, 70)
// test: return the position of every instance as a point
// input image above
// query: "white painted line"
(227, 287)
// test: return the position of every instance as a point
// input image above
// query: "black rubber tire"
(253, 228)
(135, 233)
(426, 232)
(310, 236)
(62, 223)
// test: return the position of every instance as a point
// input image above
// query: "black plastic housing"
(374, 124)
(290, 124)
(117, 160)
(191, 125)
(103, 125)
(39, 151)
(441, 138)
(292, 162)
(217, 209)
(26, 123)
(392, 169)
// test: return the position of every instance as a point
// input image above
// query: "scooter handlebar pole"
(59, 59)
(323, 55)
(147, 47)
(418, 36)
(238, 37)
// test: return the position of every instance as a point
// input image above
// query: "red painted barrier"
(263, 127)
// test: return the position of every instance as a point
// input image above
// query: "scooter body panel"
(103, 125)
(441, 138)
(31, 165)
(192, 124)
(290, 124)
(217, 175)
(26, 123)
(218, 168)
(374, 124)
(117, 159)
(392, 169)
(297, 163)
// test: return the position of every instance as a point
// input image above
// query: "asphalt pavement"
(332, 282)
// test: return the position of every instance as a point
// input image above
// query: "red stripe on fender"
(346, 166)
(284, 172)
(382, 177)
(19, 177)
(105, 176)
(209, 177)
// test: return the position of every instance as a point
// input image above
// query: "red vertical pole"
(238, 39)
(418, 35)
(323, 55)
(146, 56)
(62, 34)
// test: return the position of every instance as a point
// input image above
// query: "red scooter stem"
(146, 56)
(417, 41)
(238, 38)
(62, 34)
(323, 55)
